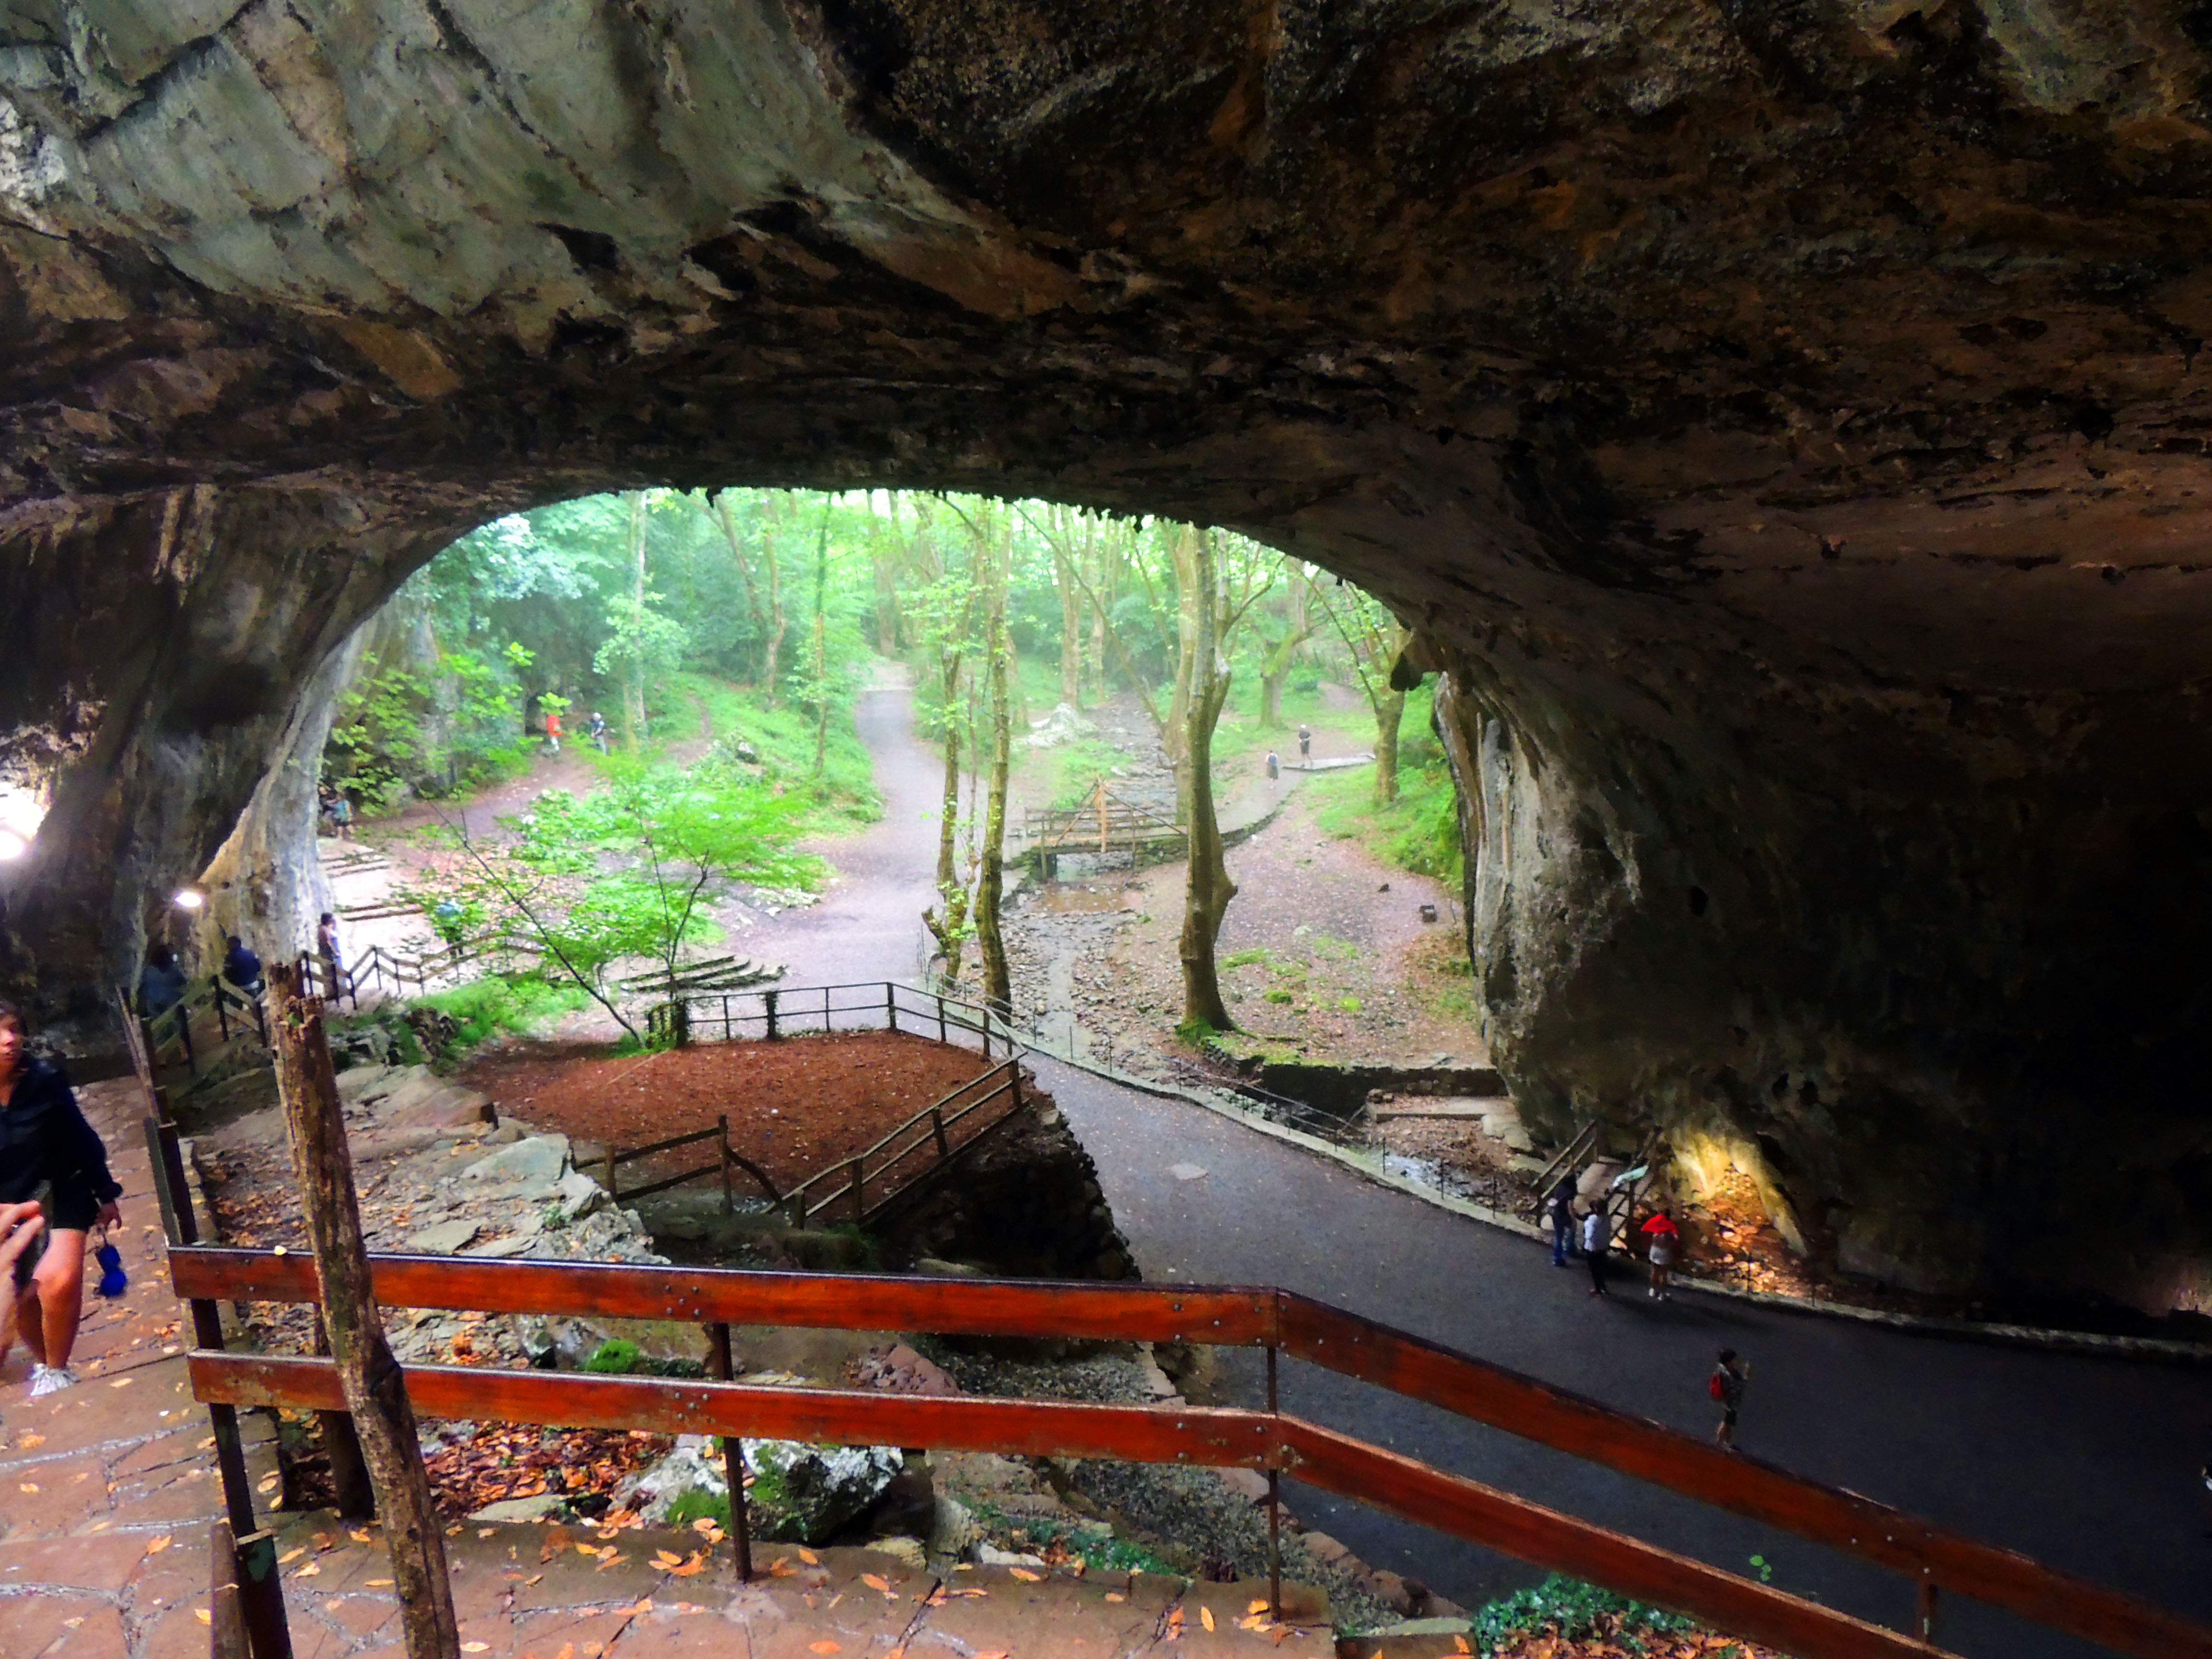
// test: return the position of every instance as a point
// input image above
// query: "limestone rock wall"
(1787, 423)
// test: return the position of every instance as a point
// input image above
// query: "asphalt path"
(2086, 1463)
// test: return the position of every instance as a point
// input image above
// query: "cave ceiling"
(1785, 423)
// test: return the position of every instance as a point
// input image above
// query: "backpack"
(1716, 1388)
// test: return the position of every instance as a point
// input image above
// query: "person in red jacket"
(1662, 1239)
(552, 731)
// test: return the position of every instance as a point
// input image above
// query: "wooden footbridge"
(1103, 825)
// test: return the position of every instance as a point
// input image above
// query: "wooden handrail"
(1249, 1316)
(1149, 1434)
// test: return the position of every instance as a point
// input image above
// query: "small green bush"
(696, 1506)
(613, 1357)
(485, 1008)
(1245, 958)
(1348, 1005)
(1576, 1610)
(1280, 995)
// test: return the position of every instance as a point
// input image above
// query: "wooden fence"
(1932, 1559)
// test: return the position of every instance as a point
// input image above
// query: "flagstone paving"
(107, 1489)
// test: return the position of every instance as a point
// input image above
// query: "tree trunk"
(1390, 708)
(769, 664)
(990, 944)
(375, 1392)
(633, 683)
(822, 646)
(1193, 617)
(723, 517)
(949, 931)
(1207, 896)
(1071, 628)
(887, 578)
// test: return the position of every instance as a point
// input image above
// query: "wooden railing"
(1268, 1439)
(844, 1184)
(165, 1038)
(782, 1011)
(727, 1160)
(1101, 824)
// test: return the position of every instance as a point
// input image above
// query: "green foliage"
(1278, 994)
(1348, 1005)
(698, 1505)
(782, 738)
(613, 1357)
(1073, 768)
(487, 1007)
(1245, 958)
(1578, 1612)
(1419, 831)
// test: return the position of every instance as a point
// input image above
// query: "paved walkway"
(2086, 1463)
(106, 1489)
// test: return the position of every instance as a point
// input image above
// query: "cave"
(1777, 419)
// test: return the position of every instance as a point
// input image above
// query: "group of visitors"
(1663, 1237)
(336, 808)
(1598, 1227)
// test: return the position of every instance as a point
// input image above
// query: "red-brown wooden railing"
(1268, 1439)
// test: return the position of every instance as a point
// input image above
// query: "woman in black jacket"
(45, 1143)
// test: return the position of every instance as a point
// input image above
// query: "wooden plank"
(668, 1144)
(1527, 1532)
(1829, 1514)
(1012, 1428)
(1229, 1316)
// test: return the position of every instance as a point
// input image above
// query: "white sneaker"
(50, 1379)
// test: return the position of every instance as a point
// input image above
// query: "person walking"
(342, 814)
(1725, 1385)
(333, 958)
(552, 731)
(1274, 766)
(161, 982)
(1597, 1238)
(1560, 1206)
(1662, 1239)
(45, 1143)
(1305, 745)
(599, 730)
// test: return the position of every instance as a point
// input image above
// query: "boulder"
(545, 1507)
(805, 1494)
(540, 1160)
(695, 1465)
(445, 1238)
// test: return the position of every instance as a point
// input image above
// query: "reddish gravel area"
(795, 1106)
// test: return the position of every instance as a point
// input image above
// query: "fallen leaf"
(875, 1581)
(809, 1558)
(666, 1558)
(290, 1556)
(379, 1583)
(609, 1560)
(645, 1605)
(28, 1486)
(1025, 1575)
(358, 1537)
(309, 1570)
(120, 1382)
(1116, 1595)
(31, 1440)
(1206, 1618)
(476, 1647)
(203, 1615)
(567, 1651)
(486, 1532)
(1260, 1606)
(824, 1647)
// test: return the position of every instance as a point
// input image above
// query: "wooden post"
(729, 1195)
(608, 1178)
(937, 1122)
(722, 1367)
(940, 1019)
(987, 1030)
(1102, 817)
(769, 999)
(375, 1391)
(1014, 1079)
(1923, 1619)
(253, 1561)
(226, 1638)
(859, 1205)
(221, 1011)
(357, 1496)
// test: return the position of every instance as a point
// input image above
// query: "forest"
(632, 623)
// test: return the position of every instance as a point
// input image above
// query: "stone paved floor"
(107, 1491)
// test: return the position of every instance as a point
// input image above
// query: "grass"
(845, 796)
(485, 1008)
(1066, 773)
(1419, 831)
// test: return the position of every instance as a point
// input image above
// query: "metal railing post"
(937, 1122)
(825, 1011)
(767, 999)
(890, 1005)
(940, 1019)
(860, 1207)
(729, 1193)
(987, 1030)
